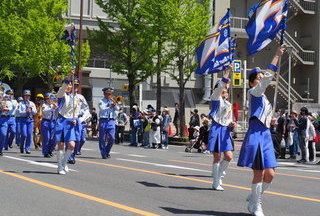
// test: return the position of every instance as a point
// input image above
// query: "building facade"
(302, 35)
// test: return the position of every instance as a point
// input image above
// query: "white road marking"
(37, 163)
(164, 165)
(139, 156)
(114, 152)
(86, 149)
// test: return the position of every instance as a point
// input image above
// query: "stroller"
(196, 142)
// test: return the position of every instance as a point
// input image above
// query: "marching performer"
(81, 129)
(47, 125)
(220, 140)
(18, 120)
(6, 107)
(68, 111)
(37, 121)
(257, 151)
(108, 107)
(12, 120)
(26, 111)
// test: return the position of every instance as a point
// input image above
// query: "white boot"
(254, 205)
(65, 159)
(216, 177)
(222, 169)
(60, 156)
(265, 186)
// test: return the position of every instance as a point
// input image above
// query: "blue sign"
(236, 66)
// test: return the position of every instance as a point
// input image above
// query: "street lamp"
(289, 50)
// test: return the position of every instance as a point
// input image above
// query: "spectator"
(94, 122)
(135, 125)
(155, 134)
(121, 122)
(281, 130)
(146, 127)
(292, 135)
(165, 127)
(312, 137)
(176, 119)
(194, 121)
(302, 124)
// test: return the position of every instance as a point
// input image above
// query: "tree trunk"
(181, 98)
(19, 83)
(131, 89)
(159, 77)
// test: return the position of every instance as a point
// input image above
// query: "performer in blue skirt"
(257, 151)
(220, 140)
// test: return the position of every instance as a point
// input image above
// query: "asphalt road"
(137, 181)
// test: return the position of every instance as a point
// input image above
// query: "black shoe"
(1, 153)
(282, 157)
(108, 156)
(28, 152)
(71, 161)
(10, 146)
(21, 151)
(50, 154)
(104, 157)
(301, 161)
(47, 156)
(6, 149)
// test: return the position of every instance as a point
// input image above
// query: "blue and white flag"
(233, 47)
(213, 54)
(266, 19)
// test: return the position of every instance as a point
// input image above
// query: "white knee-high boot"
(254, 205)
(216, 177)
(65, 159)
(223, 166)
(60, 157)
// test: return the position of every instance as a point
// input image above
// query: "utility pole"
(289, 50)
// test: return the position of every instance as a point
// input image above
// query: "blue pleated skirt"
(219, 138)
(257, 150)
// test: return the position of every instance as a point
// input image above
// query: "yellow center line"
(246, 169)
(197, 180)
(82, 195)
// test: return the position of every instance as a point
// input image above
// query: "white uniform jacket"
(221, 109)
(259, 106)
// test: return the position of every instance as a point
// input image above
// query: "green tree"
(157, 15)
(189, 25)
(127, 40)
(31, 44)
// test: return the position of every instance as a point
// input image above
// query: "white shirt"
(69, 104)
(22, 109)
(48, 111)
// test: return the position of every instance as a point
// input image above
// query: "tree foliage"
(127, 39)
(30, 32)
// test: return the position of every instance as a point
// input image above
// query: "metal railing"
(305, 6)
(305, 56)
(98, 63)
(295, 96)
(239, 22)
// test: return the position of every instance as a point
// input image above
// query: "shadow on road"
(204, 212)
(150, 184)
(40, 172)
